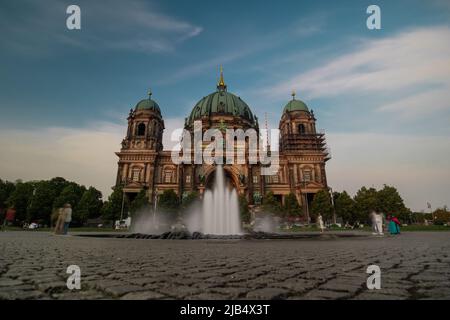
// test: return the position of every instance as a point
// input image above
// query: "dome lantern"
(221, 86)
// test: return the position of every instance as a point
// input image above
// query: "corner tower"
(304, 150)
(140, 147)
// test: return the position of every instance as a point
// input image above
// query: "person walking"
(320, 223)
(394, 225)
(373, 218)
(67, 217)
(59, 227)
(10, 216)
(379, 223)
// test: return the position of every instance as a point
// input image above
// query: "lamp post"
(122, 185)
(306, 200)
(431, 211)
(155, 200)
(332, 203)
(123, 204)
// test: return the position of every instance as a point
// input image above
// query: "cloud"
(416, 165)
(422, 103)
(197, 68)
(85, 155)
(247, 46)
(133, 25)
(413, 64)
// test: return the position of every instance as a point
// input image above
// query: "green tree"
(112, 208)
(89, 206)
(188, 199)
(41, 203)
(291, 206)
(71, 194)
(441, 216)
(243, 209)
(59, 184)
(141, 202)
(322, 204)
(168, 201)
(6, 188)
(366, 200)
(345, 207)
(20, 199)
(271, 204)
(390, 202)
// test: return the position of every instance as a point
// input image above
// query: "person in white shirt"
(379, 222)
(373, 218)
(320, 223)
(68, 217)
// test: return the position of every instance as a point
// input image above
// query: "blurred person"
(10, 216)
(59, 227)
(377, 223)
(320, 223)
(373, 219)
(394, 225)
(67, 217)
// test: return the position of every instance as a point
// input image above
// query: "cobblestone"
(413, 265)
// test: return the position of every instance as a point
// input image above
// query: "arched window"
(307, 176)
(136, 175)
(140, 129)
(301, 128)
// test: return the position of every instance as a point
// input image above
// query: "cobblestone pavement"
(413, 265)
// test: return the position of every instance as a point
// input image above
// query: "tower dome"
(219, 103)
(148, 104)
(295, 105)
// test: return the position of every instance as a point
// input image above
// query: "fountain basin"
(185, 235)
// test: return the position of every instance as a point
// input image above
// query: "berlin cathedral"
(144, 164)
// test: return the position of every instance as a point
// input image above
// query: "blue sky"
(382, 96)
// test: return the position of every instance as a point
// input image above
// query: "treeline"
(386, 200)
(37, 201)
(168, 203)
(351, 209)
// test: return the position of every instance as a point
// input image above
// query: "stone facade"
(143, 164)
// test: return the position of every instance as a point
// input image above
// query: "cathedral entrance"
(231, 181)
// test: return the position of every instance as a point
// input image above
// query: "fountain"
(217, 217)
(221, 208)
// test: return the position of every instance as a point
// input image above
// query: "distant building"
(143, 164)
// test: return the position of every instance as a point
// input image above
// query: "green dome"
(295, 105)
(148, 104)
(221, 102)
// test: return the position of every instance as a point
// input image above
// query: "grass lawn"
(311, 228)
(369, 229)
(81, 229)
(425, 228)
